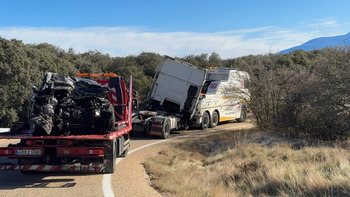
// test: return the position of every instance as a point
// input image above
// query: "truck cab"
(223, 97)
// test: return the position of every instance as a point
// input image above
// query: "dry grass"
(250, 164)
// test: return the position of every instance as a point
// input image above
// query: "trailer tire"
(111, 156)
(243, 115)
(214, 119)
(166, 129)
(205, 121)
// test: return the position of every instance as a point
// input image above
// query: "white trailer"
(183, 95)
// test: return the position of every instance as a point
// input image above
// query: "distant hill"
(320, 43)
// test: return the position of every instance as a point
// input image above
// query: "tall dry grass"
(251, 164)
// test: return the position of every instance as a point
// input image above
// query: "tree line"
(300, 93)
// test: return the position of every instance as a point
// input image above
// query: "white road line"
(106, 180)
(107, 184)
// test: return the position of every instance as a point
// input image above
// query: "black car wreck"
(66, 105)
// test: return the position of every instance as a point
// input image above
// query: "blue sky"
(230, 28)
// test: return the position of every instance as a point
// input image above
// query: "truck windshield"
(205, 87)
(213, 87)
(210, 87)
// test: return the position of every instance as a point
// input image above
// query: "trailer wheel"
(205, 121)
(166, 129)
(214, 119)
(111, 156)
(243, 115)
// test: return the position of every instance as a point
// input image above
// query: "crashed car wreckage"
(66, 105)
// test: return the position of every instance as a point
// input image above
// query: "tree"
(320, 109)
(149, 62)
(215, 60)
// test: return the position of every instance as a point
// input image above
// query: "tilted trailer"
(72, 150)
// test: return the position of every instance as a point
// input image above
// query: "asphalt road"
(129, 178)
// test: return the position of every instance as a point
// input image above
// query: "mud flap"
(123, 145)
(111, 157)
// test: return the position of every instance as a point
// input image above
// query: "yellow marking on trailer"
(229, 97)
(227, 118)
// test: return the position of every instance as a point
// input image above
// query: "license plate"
(28, 152)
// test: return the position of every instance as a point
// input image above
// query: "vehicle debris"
(70, 106)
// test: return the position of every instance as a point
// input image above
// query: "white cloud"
(325, 22)
(122, 41)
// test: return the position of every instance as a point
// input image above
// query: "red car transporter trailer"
(76, 153)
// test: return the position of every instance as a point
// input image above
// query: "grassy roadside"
(250, 163)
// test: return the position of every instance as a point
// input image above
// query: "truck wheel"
(166, 129)
(205, 121)
(243, 115)
(214, 119)
(111, 156)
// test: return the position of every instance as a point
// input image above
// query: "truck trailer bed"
(26, 134)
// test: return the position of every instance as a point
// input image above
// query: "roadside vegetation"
(251, 163)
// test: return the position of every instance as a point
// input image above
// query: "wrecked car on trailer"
(66, 105)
